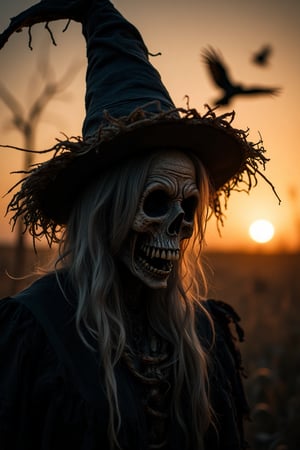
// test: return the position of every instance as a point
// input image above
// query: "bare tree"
(25, 118)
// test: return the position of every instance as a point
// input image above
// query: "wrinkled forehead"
(173, 165)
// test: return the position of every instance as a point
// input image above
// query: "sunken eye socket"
(189, 206)
(156, 203)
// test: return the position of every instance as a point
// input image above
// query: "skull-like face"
(164, 218)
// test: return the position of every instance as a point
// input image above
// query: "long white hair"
(99, 224)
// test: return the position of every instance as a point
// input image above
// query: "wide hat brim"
(50, 190)
(221, 150)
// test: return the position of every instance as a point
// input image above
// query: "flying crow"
(222, 79)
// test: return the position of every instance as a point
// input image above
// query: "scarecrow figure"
(117, 348)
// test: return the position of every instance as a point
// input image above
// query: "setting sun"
(261, 231)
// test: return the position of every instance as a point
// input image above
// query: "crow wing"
(217, 69)
(260, 90)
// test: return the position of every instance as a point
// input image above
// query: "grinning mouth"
(157, 262)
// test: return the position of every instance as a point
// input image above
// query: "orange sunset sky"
(180, 30)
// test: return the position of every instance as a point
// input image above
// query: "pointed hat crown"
(119, 76)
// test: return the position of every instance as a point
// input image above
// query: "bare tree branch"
(14, 105)
(51, 89)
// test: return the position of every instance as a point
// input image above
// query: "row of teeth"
(152, 269)
(152, 252)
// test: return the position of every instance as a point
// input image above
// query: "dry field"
(265, 290)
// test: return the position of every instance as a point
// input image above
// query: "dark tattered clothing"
(51, 396)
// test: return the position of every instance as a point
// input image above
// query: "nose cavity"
(174, 227)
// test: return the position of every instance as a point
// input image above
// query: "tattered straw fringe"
(25, 204)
